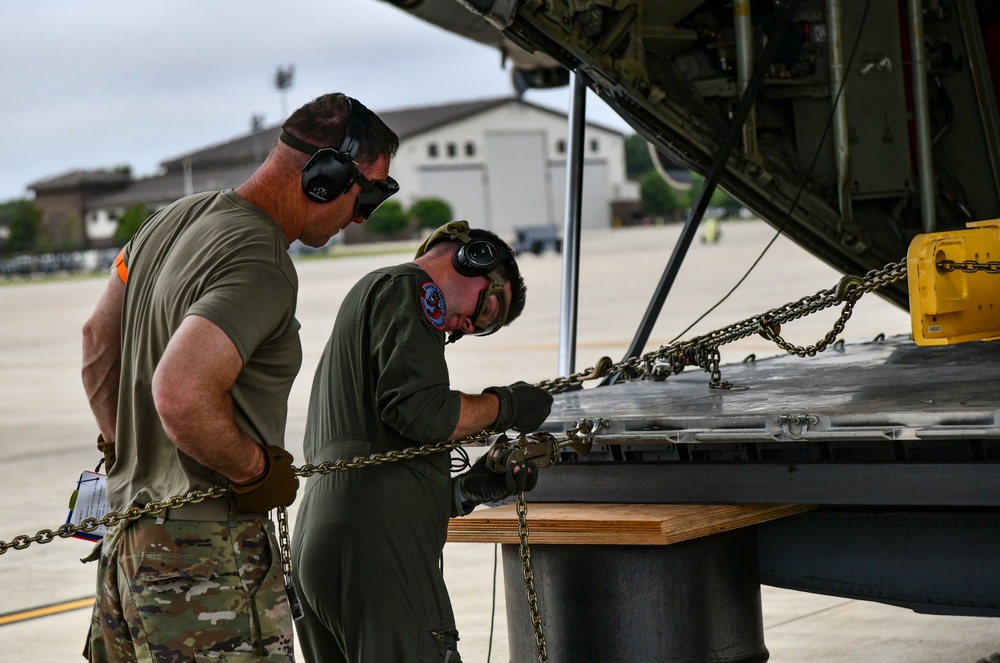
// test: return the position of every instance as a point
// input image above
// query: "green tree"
(128, 224)
(431, 213)
(388, 219)
(637, 159)
(719, 197)
(23, 220)
(655, 195)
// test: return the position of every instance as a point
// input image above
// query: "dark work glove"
(523, 407)
(480, 485)
(276, 487)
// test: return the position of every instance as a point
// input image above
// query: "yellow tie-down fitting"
(541, 448)
(954, 284)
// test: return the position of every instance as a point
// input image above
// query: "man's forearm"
(102, 393)
(478, 412)
(207, 432)
(191, 391)
(102, 357)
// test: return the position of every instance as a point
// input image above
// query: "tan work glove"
(276, 487)
(108, 449)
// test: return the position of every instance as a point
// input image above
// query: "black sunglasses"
(373, 193)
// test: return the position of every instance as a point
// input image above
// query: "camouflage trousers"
(181, 590)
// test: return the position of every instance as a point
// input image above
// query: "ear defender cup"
(328, 174)
(477, 257)
(331, 172)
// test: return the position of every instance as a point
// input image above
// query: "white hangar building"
(500, 163)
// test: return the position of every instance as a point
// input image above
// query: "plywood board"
(613, 524)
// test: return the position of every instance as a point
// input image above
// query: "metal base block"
(935, 562)
(691, 602)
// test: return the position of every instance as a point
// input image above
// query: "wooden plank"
(613, 524)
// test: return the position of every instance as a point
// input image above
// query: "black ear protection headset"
(331, 172)
(477, 256)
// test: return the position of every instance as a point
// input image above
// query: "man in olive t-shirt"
(188, 360)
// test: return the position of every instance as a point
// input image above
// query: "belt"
(211, 509)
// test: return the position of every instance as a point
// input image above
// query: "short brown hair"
(323, 123)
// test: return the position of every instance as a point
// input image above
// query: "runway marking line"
(45, 610)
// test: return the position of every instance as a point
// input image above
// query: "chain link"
(969, 266)
(529, 579)
(284, 542)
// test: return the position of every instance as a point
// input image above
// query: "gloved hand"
(276, 487)
(108, 449)
(523, 407)
(480, 485)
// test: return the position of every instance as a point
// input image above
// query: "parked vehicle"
(536, 239)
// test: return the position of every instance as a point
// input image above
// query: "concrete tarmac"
(47, 433)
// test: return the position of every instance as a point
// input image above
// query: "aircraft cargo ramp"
(868, 472)
(882, 423)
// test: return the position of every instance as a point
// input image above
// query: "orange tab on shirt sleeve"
(121, 266)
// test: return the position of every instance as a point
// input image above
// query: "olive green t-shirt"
(382, 382)
(217, 256)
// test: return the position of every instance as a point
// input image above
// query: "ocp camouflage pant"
(181, 590)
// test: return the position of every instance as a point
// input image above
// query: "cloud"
(101, 83)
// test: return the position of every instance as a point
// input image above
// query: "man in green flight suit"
(368, 542)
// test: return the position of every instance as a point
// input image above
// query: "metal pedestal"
(692, 602)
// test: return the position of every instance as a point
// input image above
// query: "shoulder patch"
(432, 303)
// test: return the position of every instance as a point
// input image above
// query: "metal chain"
(155, 508)
(111, 519)
(327, 467)
(969, 266)
(529, 579)
(284, 543)
(701, 351)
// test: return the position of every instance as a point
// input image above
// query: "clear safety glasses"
(485, 326)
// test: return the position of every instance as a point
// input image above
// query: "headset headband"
(455, 230)
(356, 125)
(296, 144)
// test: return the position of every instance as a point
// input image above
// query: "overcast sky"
(100, 83)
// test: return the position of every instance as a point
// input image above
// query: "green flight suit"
(367, 542)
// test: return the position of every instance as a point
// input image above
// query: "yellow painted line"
(45, 610)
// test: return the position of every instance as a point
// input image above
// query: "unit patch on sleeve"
(432, 302)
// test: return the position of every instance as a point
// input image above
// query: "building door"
(519, 188)
(595, 207)
(462, 188)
